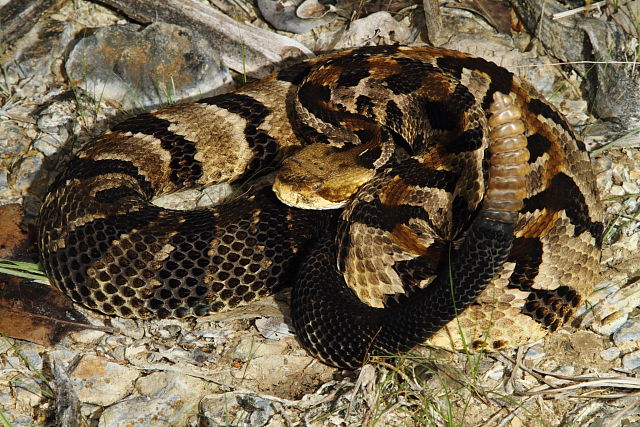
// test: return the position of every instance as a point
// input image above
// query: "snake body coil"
(463, 193)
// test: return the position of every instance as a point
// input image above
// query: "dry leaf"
(38, 313)
(496, 12)
(14, 236)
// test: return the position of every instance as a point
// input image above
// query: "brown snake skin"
(455, 199)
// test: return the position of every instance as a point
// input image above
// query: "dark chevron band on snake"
(458, 191)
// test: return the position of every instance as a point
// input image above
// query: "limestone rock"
(90, 380)
(136, 67)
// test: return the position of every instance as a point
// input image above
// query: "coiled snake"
(460, 192)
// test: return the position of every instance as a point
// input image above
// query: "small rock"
(377, 26)
(4, 177)
(88, 336)
(128, 327)
(100, 382)
(631, 205)
(603, 180)
(45, 46)
(535, 352)
(118, 354)
(29, 352)
(565, 371)
(629, 332)
(168, 331)
(630, 187)
(57, 115)
(49, 143)
(260, 410)
(496, 372)
(272, 328)
(16, 416)
(629, 243)
(218, 409)
(611, 305)
(249, 348)
(13, 139)
(25, 395)
(295, 16)
(610, 354)
(602, 164)
(617, 190)
(619, 174)
(24, 175)
(63, 355)
(610, 324)
(631, 360)
(113, 341)
(55, 123)
(575, 111)
(516, 422)
(136, 355)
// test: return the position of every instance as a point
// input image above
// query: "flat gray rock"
(135, 67)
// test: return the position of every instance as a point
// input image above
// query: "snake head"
(320, 177)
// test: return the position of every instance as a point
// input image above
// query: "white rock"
(535, 352)
(631, 360)
(50, 143)
(604, 181)
(63, 355)
(619, 174)
(101, 382)
(166, 399)
(630, 187)
(128, 327)
(378, 25)
(565, 371)
(16, 416)
(249, 348)
(25, 394)
(88, 336)
(610, 354)
(617, 190)
(136, 355)
(26, 172)
(273, 328)
(220, 408)
(118, 353)
(629, 332)
(611, 312)
(30, 352)
(602, 164)
(495, 373)
(260, 410)
(631, 205)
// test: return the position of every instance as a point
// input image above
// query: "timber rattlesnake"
(435, 208)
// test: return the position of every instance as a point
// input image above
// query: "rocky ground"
(246, 367)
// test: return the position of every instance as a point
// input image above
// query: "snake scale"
(449, 203)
